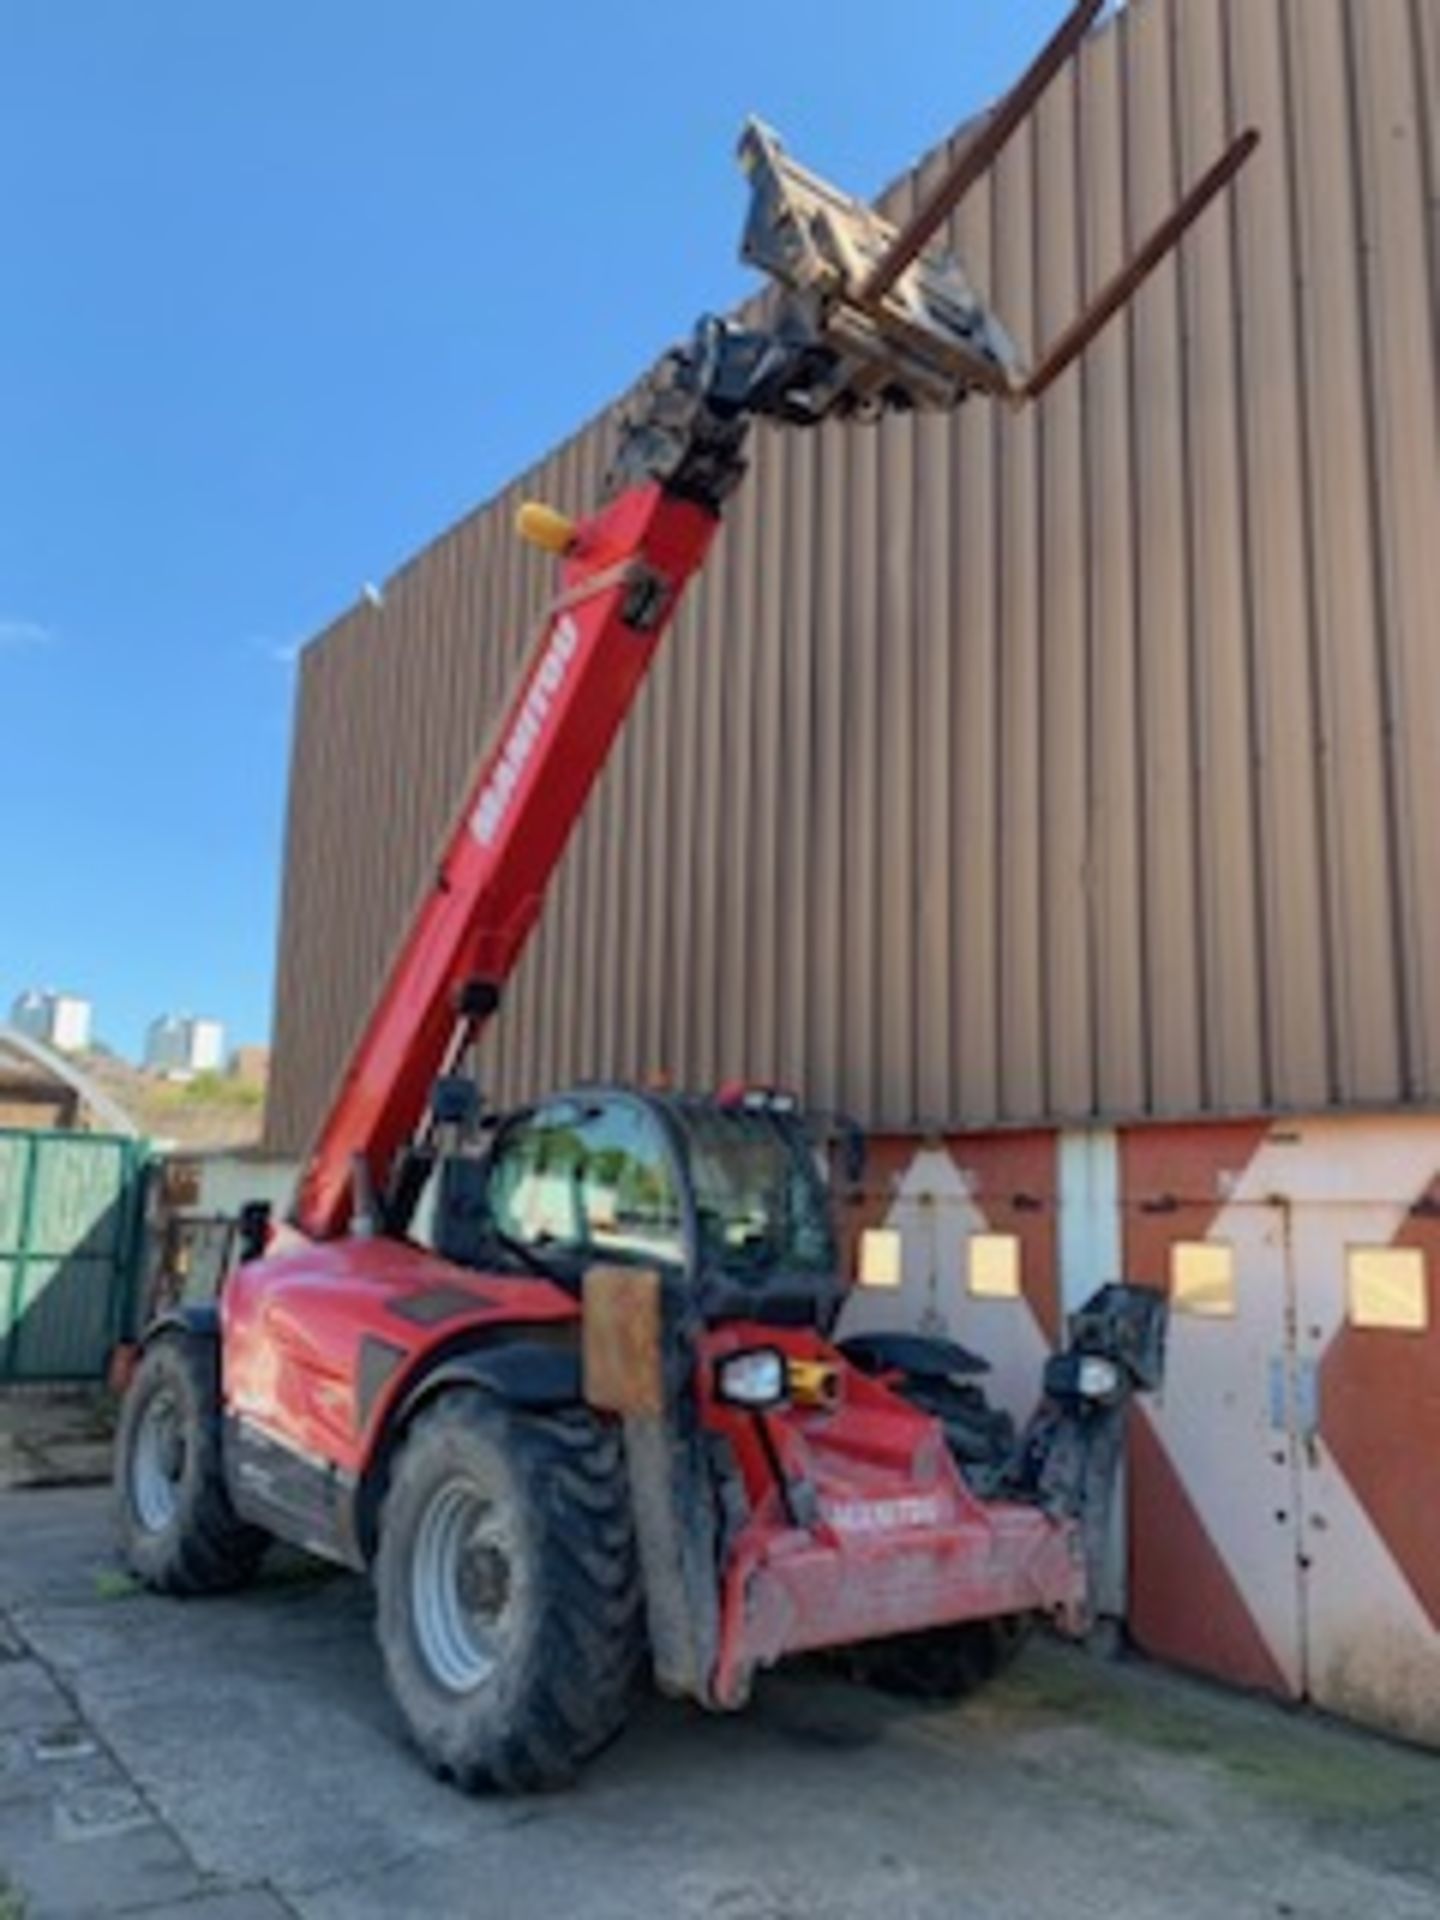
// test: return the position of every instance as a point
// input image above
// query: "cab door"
(588, 1178)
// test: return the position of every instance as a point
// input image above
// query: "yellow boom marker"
(544, 527)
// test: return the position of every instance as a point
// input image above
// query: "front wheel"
(509, 1606)
(178, 1530)
(945, 1663)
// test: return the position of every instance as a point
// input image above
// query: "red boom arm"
(622, 576)
(840, 346)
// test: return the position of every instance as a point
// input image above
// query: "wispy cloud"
(16, 633)
(281, 653)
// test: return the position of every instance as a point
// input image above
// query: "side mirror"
(455, 1101)
(854, 1151)
(254, 1229)
(845, 1140)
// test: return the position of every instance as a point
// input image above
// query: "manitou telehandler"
(602, 1419)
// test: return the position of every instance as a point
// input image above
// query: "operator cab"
(724, 1197)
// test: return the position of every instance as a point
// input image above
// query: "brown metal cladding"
(1072, 766)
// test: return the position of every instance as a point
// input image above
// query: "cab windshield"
(761, 1208)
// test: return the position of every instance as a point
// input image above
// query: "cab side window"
(594, 1180)
(534, 1182)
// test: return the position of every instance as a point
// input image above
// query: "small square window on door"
(1387, 1289)
(994, 1266)
(882, 1258)
(1202, 1279)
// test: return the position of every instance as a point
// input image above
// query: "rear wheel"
(509, 1604)
(945, 1663)
(178, 1530)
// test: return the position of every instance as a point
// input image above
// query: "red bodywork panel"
(883, 1536)
(621, 579)
(891, 1540)
(294, 1329)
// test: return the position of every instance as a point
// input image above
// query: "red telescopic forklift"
(598, 1418)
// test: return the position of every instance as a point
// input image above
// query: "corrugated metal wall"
(1002, 769)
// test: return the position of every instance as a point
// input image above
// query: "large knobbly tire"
(178, 1530)
(509, 1604)
(946, 1663)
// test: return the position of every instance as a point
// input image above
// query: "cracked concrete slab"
(246, 1904)
(66, 1875)
(255, 1733)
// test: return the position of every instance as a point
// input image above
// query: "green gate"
(71, 1224)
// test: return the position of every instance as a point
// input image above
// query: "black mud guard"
(919, 1355)
(528, 1374)
(202, 1317)
(519, 1373)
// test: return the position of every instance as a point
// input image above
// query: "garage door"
(1285, 1530)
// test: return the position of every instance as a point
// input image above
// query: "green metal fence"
(71, 1223)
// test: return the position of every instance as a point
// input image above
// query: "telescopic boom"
(871, 320)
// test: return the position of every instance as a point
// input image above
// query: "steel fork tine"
(1131, 277)
(981, 154)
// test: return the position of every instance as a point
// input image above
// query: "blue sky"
(289, 285)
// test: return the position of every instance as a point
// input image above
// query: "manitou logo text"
(496, 794)
(884, 1516)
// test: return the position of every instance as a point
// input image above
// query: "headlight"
(1084, 1379)
(756, 1379)
(1097, 1379)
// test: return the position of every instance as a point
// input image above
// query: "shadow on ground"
(250, 1754)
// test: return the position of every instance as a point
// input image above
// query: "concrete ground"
(54, 1436)
(238, 1760)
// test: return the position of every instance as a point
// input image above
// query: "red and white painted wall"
(1284, 1486)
